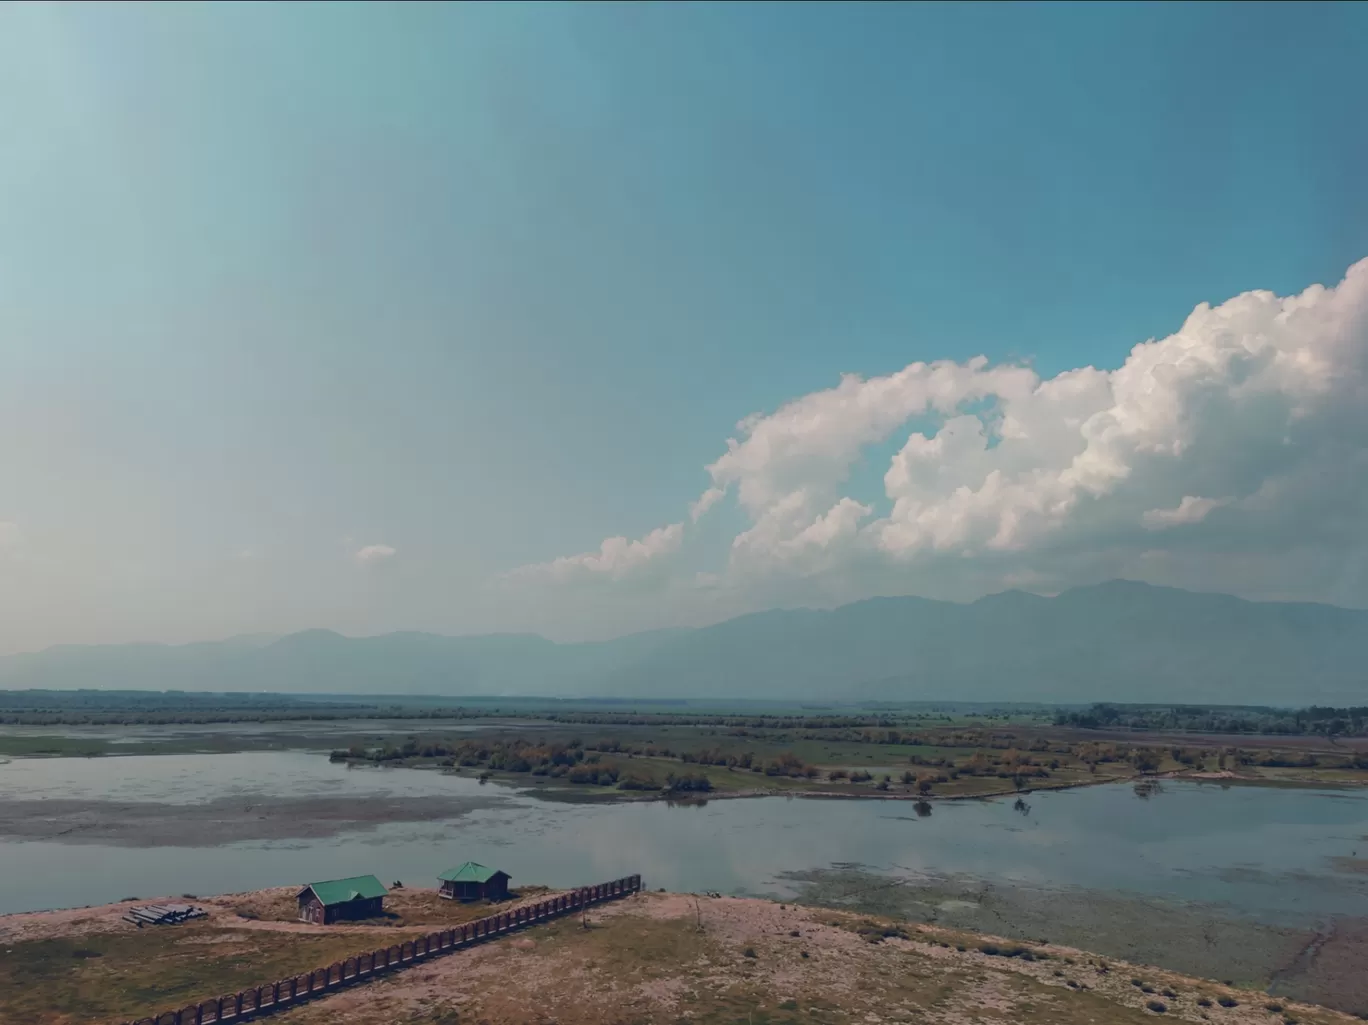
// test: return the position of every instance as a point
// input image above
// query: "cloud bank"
(1232, 454)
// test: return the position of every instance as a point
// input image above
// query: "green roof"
(470, 872)
(340, 891)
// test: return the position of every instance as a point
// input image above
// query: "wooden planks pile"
(164, 914)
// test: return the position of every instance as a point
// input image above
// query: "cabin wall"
(310, 910)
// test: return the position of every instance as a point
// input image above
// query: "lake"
(1278, 855)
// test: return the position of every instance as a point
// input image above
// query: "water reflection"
(1147, 788)
(1101, 837)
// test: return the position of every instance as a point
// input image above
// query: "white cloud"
(1262, 399)
(1192, 509)
(1005, 478)
(616, 559)
(374, 553)
(704, 502)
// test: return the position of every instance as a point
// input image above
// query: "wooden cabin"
(473, 881)
(338, 900)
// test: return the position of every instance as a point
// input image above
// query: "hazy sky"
(386, 317)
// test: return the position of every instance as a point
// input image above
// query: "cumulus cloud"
(374, 553)
(617, 558)
(1192, 509)
(1262, 400)
(1256, 407)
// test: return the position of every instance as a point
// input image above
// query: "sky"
(587, 319)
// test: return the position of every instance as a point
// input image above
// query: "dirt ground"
(658, 958)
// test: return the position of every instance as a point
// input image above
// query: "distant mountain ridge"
(1117, 641)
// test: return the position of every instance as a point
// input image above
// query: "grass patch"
(110, 976)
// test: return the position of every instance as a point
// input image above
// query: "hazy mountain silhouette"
(1120, 641)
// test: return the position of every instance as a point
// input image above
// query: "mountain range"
(1116, 641)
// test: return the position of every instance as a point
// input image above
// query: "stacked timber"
(163, 914)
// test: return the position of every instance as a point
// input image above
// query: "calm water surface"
(1265, 852)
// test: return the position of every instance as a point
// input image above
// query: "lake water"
(1267, 853)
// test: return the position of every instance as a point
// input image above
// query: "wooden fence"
(372, 964)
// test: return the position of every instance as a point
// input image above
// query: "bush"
(1203, 1001)
(1157, 1006)
(693, 784)
(1273, 1006)
(748, 952)
(1228, 1002)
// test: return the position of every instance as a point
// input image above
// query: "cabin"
(473, 881)
(339, 900)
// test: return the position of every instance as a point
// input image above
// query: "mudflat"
(220, 820)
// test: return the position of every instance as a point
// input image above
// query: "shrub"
(1168, 993)
(1228, 1002)
(1203, 1001)
(793, 932)
(1157, 1006)
(804, 954)
(1273, 1006)
(748, 952)
(991, 949)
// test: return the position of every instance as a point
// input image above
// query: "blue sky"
(476, 287)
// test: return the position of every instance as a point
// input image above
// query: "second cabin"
(473, 881)
(340, 899)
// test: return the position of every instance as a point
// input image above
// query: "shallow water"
(1267, 853)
